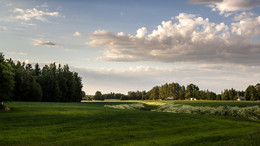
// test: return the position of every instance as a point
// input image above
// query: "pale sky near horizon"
(122, 45)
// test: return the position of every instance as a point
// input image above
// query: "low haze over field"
(121, 46)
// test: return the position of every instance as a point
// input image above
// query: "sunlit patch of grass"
(154, 103)
(134, 106)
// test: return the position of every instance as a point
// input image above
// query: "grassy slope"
(92, 124)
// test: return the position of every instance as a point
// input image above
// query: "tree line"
(175, 91)
(21, 81)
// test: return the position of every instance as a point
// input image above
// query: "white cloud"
(225, 6)
(28, 14)
(185, 39)
(77, 34)
(37, 42)
(141, 32)
(246, 26)
(243, 15)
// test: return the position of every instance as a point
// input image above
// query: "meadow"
(94, 123)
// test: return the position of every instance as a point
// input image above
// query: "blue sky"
(120, 45)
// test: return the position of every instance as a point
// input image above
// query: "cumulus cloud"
(37, 42)
(187, 38)
(246, 26)
(225, 6)
(28, 14)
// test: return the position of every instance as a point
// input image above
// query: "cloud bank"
(187, 38)
(126, 79)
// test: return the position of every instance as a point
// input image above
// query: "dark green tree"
(174, 89)
(98, 96)
(154, 93)
(164, 91)
(6, 80)
(132, 95)
(182, 93)
(218, 97)
(191, 90)
(250, 93)
(145, 95)
(37, 70)
(257, 87)
(232, 94)
(225, 95)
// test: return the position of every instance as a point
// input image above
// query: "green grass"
(219, 103)
(211, 103)
(90, 123)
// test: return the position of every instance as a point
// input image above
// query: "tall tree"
(190, 90)
(257, 87)
(98, 96)
(251, 93)
(232, 94)
(154, 93)
(164, 91)
(174, 89)
(6, 80)
(182, 93)
(37, 70)
(225, 95)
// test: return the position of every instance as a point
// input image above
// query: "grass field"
(90, 123)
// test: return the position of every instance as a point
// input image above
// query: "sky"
(122, 45)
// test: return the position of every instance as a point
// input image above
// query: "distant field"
(90, 123)
(188, 102)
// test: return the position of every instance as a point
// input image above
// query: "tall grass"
(251, 112)
(134, 106)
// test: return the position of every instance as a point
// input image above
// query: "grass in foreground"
(93, 124)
